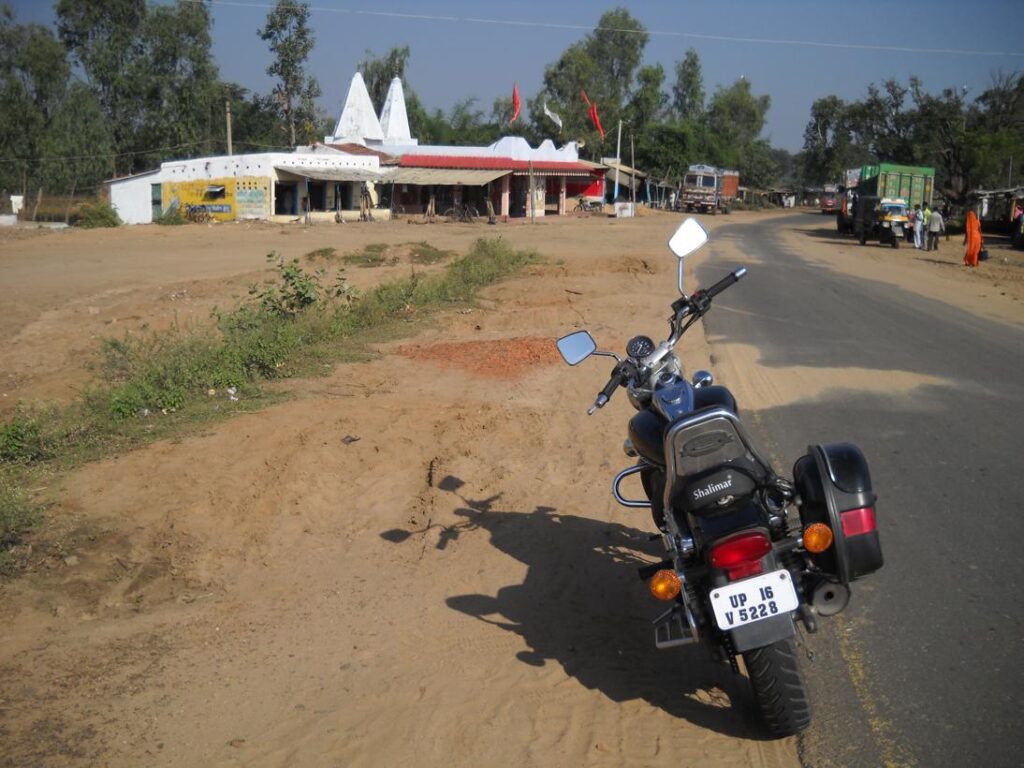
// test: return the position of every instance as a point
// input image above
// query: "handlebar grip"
(725, 282)
(613, 383)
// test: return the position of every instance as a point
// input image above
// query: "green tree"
(688, 91)
(736, 116)
(102, 37)
(179, 95)
(52, 133)
(604, 65)
(829, 145)
(757, 164)
(647, 103)
(287, 30)
(379, 71)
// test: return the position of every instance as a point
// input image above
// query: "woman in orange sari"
(972, 239)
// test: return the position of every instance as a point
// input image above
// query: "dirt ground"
(416, 560)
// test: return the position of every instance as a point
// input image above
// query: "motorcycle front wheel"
(778, 687)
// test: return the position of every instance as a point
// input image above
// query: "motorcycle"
(749, 553)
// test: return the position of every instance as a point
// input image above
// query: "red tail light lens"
(858, 521)
(740, 555)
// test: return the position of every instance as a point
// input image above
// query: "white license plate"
(761, 597)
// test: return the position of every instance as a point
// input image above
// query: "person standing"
(935, 225)
(918, 226)
(972, 239)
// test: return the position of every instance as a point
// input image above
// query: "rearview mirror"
(688, 238)
(576, 347)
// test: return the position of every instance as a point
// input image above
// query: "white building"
(327, 179)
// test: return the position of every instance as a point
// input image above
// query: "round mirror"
(576, 347)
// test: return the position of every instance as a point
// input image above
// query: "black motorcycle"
(742, 568)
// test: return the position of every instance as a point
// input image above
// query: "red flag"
(595, 119)
(516, 103)
(585, 99)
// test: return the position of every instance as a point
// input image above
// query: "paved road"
(926, 666)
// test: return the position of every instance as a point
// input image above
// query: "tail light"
(740, 555)
(858, 521)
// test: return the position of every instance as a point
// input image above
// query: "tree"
(756, 162)
(291, 40)
(179, 92)
(829, 145)
(736, 116)
(102, 38)
(379, 71)
(604, 65)
(647, 104)
(688, 91)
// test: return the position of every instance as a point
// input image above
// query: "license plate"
(761, 597)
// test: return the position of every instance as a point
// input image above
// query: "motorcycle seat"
(647, 429)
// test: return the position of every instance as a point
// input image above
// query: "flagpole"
(618, 162)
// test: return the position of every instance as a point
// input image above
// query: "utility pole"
(632, 175)
(532, 197)
(618, 162)
(227, 119)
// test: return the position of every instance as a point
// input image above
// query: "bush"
(16, 516)
(171, 217)
(93, 215)
(21, 439)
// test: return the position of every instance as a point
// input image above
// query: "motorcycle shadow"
(583, 606)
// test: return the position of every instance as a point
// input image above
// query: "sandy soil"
(409, 563)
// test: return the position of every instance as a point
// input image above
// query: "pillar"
(561, 197)
(505, 184)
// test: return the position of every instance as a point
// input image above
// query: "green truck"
(911, 183)
(891, 183)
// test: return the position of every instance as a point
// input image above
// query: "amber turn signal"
(665, 585)
(817, 538)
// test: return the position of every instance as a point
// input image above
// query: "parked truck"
(830, 199)
(709, 189)
(891, 183)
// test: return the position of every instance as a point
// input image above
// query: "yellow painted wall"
(244, 197)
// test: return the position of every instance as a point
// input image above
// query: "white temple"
(359, 124)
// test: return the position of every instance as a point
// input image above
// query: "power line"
(108, 155)
(652, 32)
(102, 156)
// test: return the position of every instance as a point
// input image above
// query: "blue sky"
(457, 54)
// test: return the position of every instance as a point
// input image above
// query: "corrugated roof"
(467, 176)
(331, 174)
(492, 163)
(359, 149)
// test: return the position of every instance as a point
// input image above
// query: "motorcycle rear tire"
(778, 688)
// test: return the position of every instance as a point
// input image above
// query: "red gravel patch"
(497, 359)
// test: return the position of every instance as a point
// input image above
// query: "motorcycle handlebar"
(616, 380)
(725, 282)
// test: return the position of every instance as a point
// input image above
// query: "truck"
(830, 199)
(907, 184)
(709, 189)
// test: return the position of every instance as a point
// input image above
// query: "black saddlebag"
(833, 487)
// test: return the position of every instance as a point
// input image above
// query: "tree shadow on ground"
(583, 606)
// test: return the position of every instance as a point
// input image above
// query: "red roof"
(464, 162)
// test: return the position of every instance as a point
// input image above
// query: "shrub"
(16, 516)
(100, 214)
(21, 439)
(171, 217)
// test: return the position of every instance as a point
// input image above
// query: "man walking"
(918, 226)
(935, 226)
